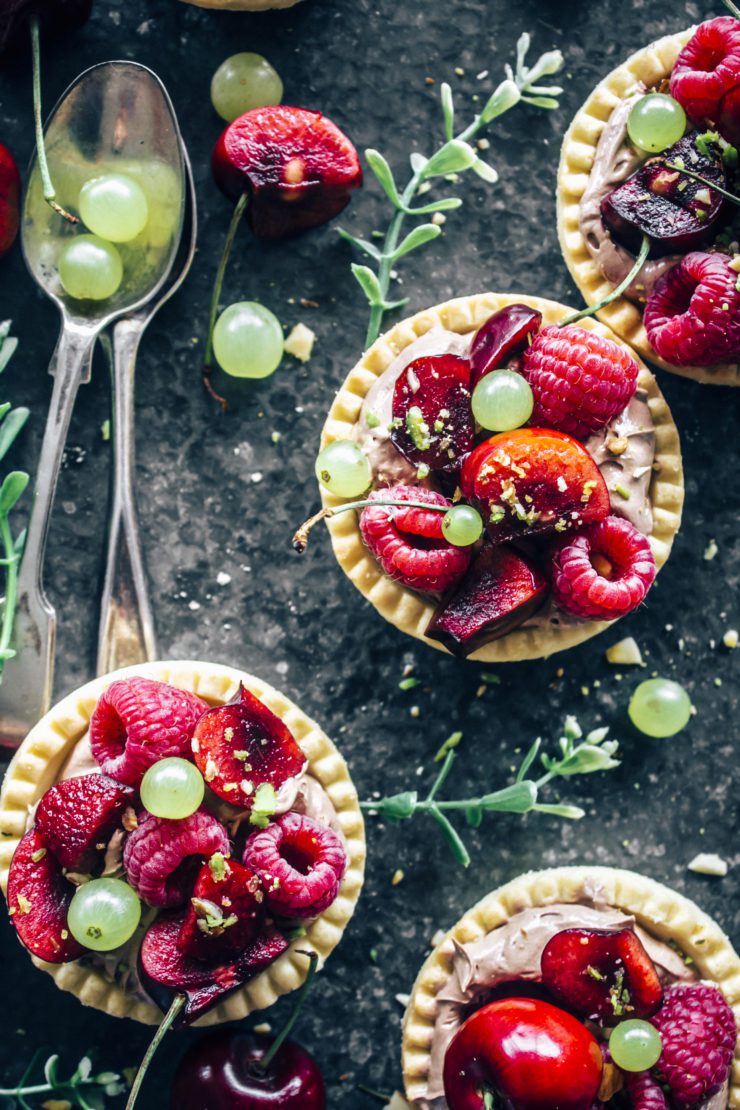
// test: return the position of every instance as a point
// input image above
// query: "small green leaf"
(368, 283)
(19, 543)
(474, 816)
(4, 409)
(7, 350)
(571, 729)
(50, 1070)
(528, 760)
(488, 173)
(546, 65)
(397, 807)
(388, 306)
(448, 110)
(424, 233)
(361, 244)
(11, 489)
(418, 161)
(444, 204)
(5, 327)
(11, 427)
(517, 798)
(451, 742)
(548, 102)
(454, 157)
(501, 100)
(571, 813)
(454, 840)
(384, 174)
(585, 760)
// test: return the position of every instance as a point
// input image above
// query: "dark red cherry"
(10, 197)
(220, 1073)
(432, 418)
(504, 335)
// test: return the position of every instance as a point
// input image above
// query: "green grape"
(89, 268)
(242, 82)
(660, 707)
(172, 788)
(248, 340)
(657, 121)
(502, 401)
(104, 914)
(114, 206)
(635, 1045)
(343, 469)
(462, 525)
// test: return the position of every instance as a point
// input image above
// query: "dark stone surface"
(299, 623)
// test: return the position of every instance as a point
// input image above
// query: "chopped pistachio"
(408, 683)
(372, 420)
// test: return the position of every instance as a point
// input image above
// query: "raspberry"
(38, 901)
(645, 1093)
(155, 852)
(138, 722)
(707, 68)
(699, 1036)
(580, 380)
(77, 818)
(692, 316)
(300, 862)
(602, 572)
(409, 543)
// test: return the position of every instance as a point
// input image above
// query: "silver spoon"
(115, 117)
(126, 632)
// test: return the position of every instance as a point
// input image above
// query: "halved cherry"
(226, 911)
(728, 123)
(501, 590)
(602, 976)
(534, 480)
(241, 745)
(432, 417)
(504, 335)
(38, 901)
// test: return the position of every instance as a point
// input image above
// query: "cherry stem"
(300, 539)
(277, 1044)
(239, 209)
(177, 1004)
(703, 181)
(732, 8)
(46, 182)
(617, 292)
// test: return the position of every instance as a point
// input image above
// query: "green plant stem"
(236, 216)
(703, 181)
(46, 182)
(276, 1045)
(45, 1088)
(10, 561)
(300, 539)
(617, 292)
(167, 1020)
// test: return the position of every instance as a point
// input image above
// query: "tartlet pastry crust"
(243, 5)
(660, 910)
(650, 65)
(410, 612)
(35, 766)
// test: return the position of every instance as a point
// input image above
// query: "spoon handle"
(126, 631)
(26, 689)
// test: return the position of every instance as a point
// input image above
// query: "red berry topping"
(10, 198)
(645, 1092)
(501, 590)
(297, 166)
(155, 852)
(226, 911)
(409, 543)
(601, 975)
(707, 68)
(503, 336)
(167, 970)
(300, 862)
(692, 316)
(243, 744)
(38, 900)
(604, 571)
(433, 419)
(528, 1052)
(137, 722)
(699, 1036)
(77, 818)
(579, 379)
(534, 480)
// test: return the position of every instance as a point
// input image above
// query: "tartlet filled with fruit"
(179, 831)
(581, 988)
(524, 477)
(649, 172)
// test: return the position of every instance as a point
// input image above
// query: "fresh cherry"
(529, 1052)
(221, 1072)
(504, 335)
(10, 195)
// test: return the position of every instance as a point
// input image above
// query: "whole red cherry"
(527, 1051)
(221, 1073)
(10, 196)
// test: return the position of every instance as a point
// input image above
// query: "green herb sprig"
(578, 755)
(82, 1089)
(12, 421)
(454, 156)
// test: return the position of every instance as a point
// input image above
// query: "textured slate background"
(216, 495)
